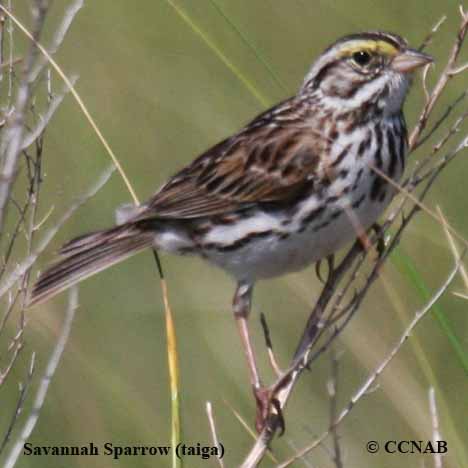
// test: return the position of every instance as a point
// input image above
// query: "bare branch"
(46, 379)
(11, 145)
(54, 104)
(433, 31)
(463, 296)
(316, 325)
(458, 70)
(455, 252)
(440, 85)
(10, 64)
(24, 388)
(444, 117)
(436, 437)
(26, 264)
(214, 435)
(332, 388)
(12, 298)
(370, 381)
(80, 103)
(59, 35)
(10, 45)
(17, 346)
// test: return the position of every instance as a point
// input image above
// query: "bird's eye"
(362, 58)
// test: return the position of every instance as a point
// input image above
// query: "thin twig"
(11, 145)
(432, 32)
(170, 330)
(80, 103)
(26, 264)
(2, 43)
(54, 104)
(10, 30)
(332, 388)
(463, 296)
(283, 387)
(370, 381)
(59, 35)
(214, 435)
(247, 428)
(458, 70)
(16, 346)
(441, 83)
(12, 298)
(436, 437)
(9, 64)
(46, 379)
(443, 118)
(455, 252)
(24, 388)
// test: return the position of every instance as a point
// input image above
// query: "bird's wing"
(270, 160)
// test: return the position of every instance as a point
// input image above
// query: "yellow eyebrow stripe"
(379, 47)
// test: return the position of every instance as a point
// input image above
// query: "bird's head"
(368, 67)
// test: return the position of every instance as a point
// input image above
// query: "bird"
(289, 189)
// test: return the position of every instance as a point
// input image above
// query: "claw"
(265, 403)
(380, 247)
(318, 272)
(279, 413)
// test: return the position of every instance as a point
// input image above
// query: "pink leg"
(241, 306)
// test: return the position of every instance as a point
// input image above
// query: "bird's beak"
(410, 60)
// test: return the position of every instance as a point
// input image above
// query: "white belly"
(273, 255)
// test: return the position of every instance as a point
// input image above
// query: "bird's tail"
(89, 254)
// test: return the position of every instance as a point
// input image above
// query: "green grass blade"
(406, 267)
(219, 53)
(251, 46)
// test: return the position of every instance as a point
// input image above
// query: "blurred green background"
(161, 95)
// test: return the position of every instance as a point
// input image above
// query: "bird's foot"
(366, 244)
(380, 247)
(267, 406)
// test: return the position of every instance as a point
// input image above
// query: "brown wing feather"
(270, 160)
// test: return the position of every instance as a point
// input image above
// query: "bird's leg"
(241, 307)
